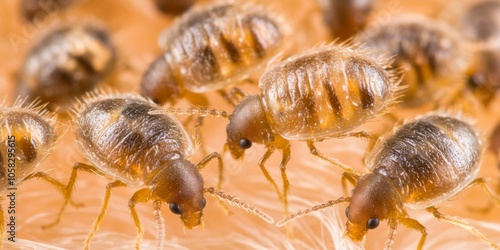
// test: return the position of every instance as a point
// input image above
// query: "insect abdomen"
(122, 139)
(429, 160)
(324, 93)
(215, 47)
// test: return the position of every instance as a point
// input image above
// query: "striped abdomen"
(429, 160)
(324, 93)
(429, 53)
(121, 139)
(29, 135)
(215, 46)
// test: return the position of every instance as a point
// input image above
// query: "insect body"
(211, 48)
(173, 6)
(34, 10)
(481, 21)
(136, 149)
(430, 54)
(27, 135)
(65, 64)
(320, 94)
(423, 163)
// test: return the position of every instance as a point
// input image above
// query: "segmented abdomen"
(429, 160)
(324, 93)
(29, 136)
(121, 139)
(213, 47)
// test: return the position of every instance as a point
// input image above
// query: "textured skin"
(212, 47)
(34, 139)
(429, 160)
(65, 64)
(324, 93)
(121, 139)
(428, 52)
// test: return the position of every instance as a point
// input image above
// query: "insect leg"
(68, 189)
(197, 134)
(142, 195)
(102, 212)
(414, 224)
(334, 162)
(460, 223)
(488, 191)
(286, 184)
(57, 184)
(204, 162)
(227, 97)
(261, 163)
(352, 178)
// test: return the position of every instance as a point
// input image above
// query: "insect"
(173, 7)
(124, 142)
(483, 74)
(35, 10)
(65, 64)
(27, 136)
(494, 147)
(210, 48)
(319, 94)
(481, 21)
(428, 52)
(346, 18)
(421, 164)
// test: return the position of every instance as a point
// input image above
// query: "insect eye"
(245, 143)
(203, 203)
(347, 211)
(372, 223)
(176, 209)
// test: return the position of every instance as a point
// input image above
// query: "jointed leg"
(227, 97)
(488, 191)
(203, 163)
(413, 224)
(142, 195)
(334, 162)
(261, 163)
(197, 134)
(68, 189)
(102, 212)
(57, 184)
(286, 184)
(352, 178)
(238, 93)
(460, 223)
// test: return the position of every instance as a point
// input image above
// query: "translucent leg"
(413, 224)
(352, 178)
(334, 162)
(142, 195)
(262, 163)
(203, 163)
(462, 224)
(102, 212)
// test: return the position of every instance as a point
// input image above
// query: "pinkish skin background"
(135, 25)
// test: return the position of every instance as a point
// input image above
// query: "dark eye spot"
(372, 223)
(245, 143)
(203, 203)
(176, 209)
(347, 211)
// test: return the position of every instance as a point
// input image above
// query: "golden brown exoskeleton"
(174, 7)
(37, 10)
(27, 136)
(67, 63)
(483, 74)
(347, 17)
(322, 93)
(421, 164)
(211, 48)
(430, 54)
(136, 149)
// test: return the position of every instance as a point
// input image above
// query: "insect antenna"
(310, 210)
(201, 111)
(160, 224)
(234, 201)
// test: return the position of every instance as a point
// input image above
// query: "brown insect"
(481, 21)
(483, 74)
(429, 53)
(421, 164)
(322, 93)
(36, 10)
(174, 7)
(346, 18)
(67, 63)
(27, 136)
(211, 48)
(125, 143)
